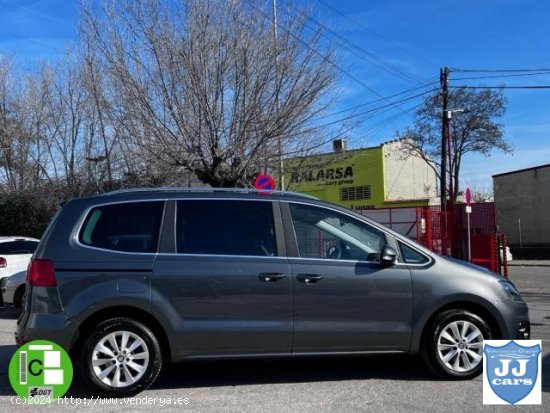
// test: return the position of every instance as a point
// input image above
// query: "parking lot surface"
(329, 384)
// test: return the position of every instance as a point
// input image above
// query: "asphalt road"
(351, 384)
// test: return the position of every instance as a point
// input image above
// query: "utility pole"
(279, 143)
(452, 189)
(444, 81)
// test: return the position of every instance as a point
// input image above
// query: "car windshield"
(18, 247)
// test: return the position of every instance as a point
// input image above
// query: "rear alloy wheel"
(454, 349)
(121, 358)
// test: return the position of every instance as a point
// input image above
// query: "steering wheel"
(334, 253)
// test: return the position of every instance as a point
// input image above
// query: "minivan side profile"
(130, 280)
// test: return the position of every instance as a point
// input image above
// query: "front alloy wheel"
(453, 344)
(460, 346)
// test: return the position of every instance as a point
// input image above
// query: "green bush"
(25, 215)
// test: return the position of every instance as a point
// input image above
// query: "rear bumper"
(43, 318)
(50, 327)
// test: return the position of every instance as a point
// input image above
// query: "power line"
(381, 123)
(502, 76)
(326, 141)
(377, 109)
(319, 145)
(374, 33)
(364, 54)
(380, 109)
(452, 69)
(317, 127)
(502, 87)
(326, 58)
(378, 100)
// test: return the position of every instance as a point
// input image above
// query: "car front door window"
(322, 233)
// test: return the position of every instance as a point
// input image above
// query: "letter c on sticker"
(31, 367)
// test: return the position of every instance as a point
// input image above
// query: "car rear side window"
(18, 247)
(225, 228)
(128, 227)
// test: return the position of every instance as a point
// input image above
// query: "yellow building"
(383, 176)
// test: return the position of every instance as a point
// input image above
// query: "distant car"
(509, 256)
(13, 289)
(15, 254)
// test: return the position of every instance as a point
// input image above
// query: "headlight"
(511, 290)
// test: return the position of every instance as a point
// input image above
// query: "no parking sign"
(265, 183)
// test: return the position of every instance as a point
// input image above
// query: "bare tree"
(22, 120)
(480, 192)
(67, 105)
(203, 86)
(8, 127)
(474, 130)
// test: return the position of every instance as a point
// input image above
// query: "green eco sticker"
(41, 370)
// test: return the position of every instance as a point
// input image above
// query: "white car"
(509, 256)
(13, 289)
(15, 254)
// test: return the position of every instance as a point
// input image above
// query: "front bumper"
(524, 330)
(515, 320)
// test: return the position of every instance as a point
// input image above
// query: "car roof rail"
(169, 189)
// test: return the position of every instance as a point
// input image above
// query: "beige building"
(384, 176)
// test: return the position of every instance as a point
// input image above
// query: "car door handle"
(270, 277)
(309, 278)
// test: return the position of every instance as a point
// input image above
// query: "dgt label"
(512, 372)
(40, 369)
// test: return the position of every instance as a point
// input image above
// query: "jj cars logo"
(512, 372)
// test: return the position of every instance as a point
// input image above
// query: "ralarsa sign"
(322, 174)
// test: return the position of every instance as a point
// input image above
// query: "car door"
(227, 286)
(344, 298)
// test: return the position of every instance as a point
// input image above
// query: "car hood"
(464, 265)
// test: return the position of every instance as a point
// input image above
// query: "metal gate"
(445, 233)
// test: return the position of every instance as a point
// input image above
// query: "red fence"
(446, 233)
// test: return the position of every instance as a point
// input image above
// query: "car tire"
(453, 344)
(18, 297)
(121, 358)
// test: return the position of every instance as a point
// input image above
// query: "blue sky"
(37, 29)
(407, 42)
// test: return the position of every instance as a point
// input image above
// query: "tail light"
(3, 262)
(41, 273)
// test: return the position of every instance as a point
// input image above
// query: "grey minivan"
(130, 280)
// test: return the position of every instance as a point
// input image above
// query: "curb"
(529, 265)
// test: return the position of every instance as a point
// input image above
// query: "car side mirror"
(388, 255)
